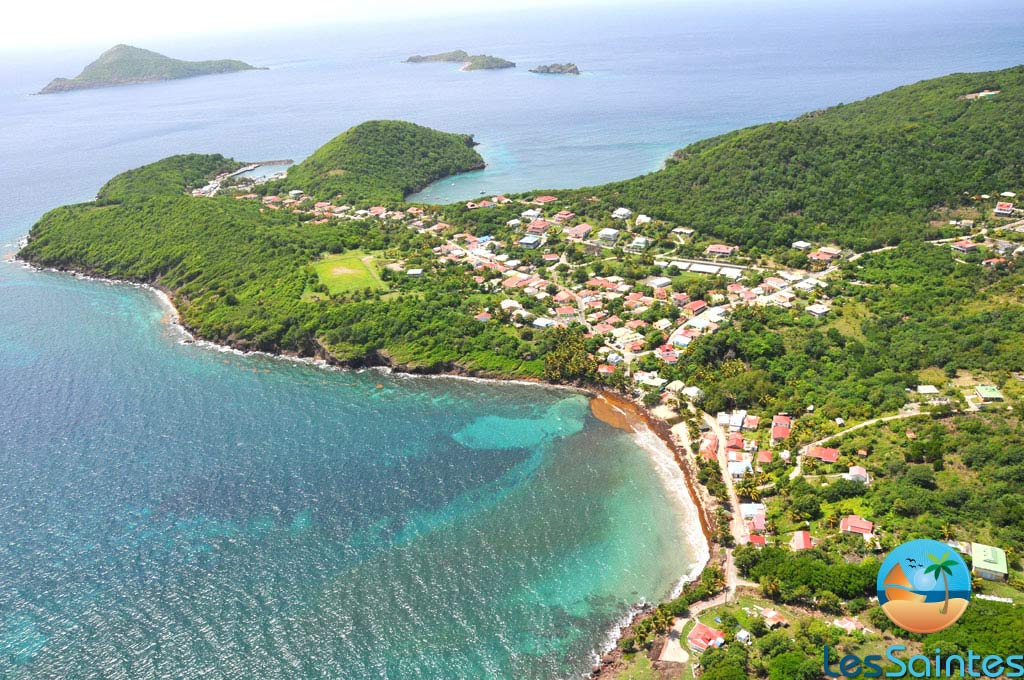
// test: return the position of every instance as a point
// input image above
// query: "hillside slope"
(383, 160)
(124, 64)
(860, 174)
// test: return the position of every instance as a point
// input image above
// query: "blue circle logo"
(924, 586)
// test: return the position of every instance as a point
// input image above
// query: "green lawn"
(353, 270)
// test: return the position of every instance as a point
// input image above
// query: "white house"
(622, 213)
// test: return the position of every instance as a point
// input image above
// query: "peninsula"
(470, 62)
(126, 65)
(569, 69)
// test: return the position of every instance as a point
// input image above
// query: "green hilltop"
(124, 64)
(860, 174)
(383, 160)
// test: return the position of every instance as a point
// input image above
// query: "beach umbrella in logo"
(941, 566)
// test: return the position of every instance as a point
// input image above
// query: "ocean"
(170, 510)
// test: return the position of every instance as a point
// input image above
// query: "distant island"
(125, 65)
(470, 62)
(557, 69)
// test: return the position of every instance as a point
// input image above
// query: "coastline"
(649, 433)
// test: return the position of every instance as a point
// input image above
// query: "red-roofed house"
(750, 423)
(709, 446)
(695, 307)
(563, 216)
(782, 427)
(965, 246)
(603, 328)
(855, 524)
(483, 316)
(773, 619)
(735, 442)
(1004, 209)
(580, 231)
(758, 540)
(680, 299)
(823, 454)
(566, 311)
(801, 541)
(720, 249)
(538, 227)
(562, 296)
(764, 456)
(702, 637)
(544, 200)
(605, 369)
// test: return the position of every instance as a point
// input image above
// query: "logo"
(924, 586)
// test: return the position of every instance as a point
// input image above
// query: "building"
(817, 309)
(965, 246)
(801, 245)
(858, 473)
(1004, 209)
(782, 427)
(608, 235)
(989, 562)
(749, 511)
(530, 241)
(773, 619)
(988, 393)
(415, 273)
(738, 469)
(544, 200)
(721, 250)
(638, 244)
(580, 231)
(823, 454)
(622, 213)
(703, 637)
(801, 541)
(855, 524)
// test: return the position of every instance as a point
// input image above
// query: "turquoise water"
(177, 511)
(174, 511)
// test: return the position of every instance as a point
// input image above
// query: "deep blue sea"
(174, 511)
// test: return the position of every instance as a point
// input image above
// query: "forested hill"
(383, 160)
(859, 174)
(171, 176)
(124, 64)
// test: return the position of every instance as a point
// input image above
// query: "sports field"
(353, 270)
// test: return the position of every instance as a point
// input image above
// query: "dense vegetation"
(862, 174)
(894, 313)
(172, 176)
(382, 160)
(123, 64)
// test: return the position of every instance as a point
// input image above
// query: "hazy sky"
(70, 23)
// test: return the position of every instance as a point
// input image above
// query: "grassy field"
(353, 270)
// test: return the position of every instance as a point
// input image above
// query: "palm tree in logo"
(941, 566)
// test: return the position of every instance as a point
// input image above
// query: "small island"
(557, 69)
(126, 65)
(470, 62)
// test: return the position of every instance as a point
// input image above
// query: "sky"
(76, 23)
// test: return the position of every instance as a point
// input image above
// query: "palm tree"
(944, 567)
(948, 532)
